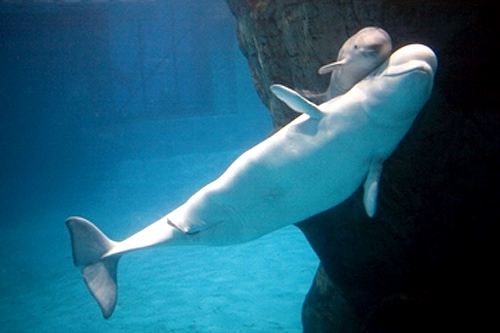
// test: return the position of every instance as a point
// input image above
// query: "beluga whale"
(360, 55)
(312, 164)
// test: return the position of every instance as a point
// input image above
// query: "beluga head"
(368, 48)
(402, 84)
(360, 55)
(410, 58)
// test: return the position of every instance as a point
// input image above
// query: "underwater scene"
(119, 113)
(248, 166)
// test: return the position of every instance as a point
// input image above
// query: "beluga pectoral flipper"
(371, 186)
(312, 164)
(295, 101)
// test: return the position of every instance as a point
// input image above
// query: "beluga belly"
(312, 164)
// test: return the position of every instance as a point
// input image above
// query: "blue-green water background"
(118, 113)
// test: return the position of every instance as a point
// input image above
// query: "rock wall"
(426, 258)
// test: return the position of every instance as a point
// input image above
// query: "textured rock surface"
(426, 259)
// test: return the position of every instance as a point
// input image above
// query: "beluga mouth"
(412, 58)
(409, 67)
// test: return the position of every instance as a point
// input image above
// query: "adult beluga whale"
(312, 164)
(360, 55)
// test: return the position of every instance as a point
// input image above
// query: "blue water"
(119, 113)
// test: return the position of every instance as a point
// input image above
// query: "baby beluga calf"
(360, 55)
(312, 164)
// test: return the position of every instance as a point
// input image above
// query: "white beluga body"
(360, 55)
(312, 164)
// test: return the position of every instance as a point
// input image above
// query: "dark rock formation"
(426, 259)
